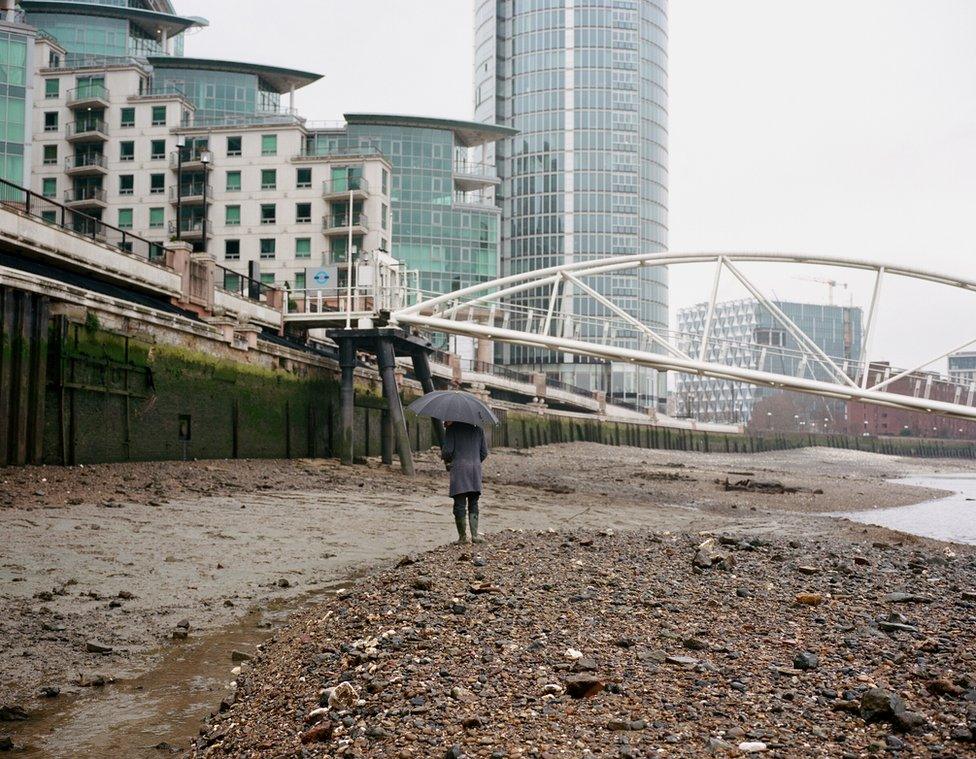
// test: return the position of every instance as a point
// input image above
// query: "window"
(126, 184)
(157, 149)
(268, 213)
(300, 280)
(232, 216)
(50, 154)
(775, 337)
(127, 151)
(304, 177)
(50, 121)
(267, 248)
(233, 181)
(267, 278)
(157, 184)
(383, 216)
(159, 115)
(52, 88)
(303, 213)
(232, 250)
(269, 144)
(156, 216)
(49, 187)
(303, 247)
(233, 146)
(125, 218)
(269, 179)
(386, 182)
(51, 217)
(128, 117)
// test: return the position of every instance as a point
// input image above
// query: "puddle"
(952, 518)
(165, 705)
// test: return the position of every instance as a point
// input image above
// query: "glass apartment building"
(745, 333)
(100, 29)
(585, 84)
(445, 220)
(16, 80)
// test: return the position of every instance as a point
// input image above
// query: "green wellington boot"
(473, 521)
(462, 535)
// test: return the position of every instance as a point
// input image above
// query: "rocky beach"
(698, 602)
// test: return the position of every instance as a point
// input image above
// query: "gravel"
(581, 649)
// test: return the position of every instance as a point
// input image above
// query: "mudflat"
(105, 570)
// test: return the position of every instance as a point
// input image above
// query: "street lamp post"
(180, 144)
(205, 160)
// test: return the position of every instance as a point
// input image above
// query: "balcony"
(88, 96)
(192, 159)
(86, 165)
(86, 130)
(470, 176)
(340, 189)
(85, 197)
(190, 229)
(338, 224)
(190, 194)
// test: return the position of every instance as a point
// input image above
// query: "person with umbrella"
(463, 450)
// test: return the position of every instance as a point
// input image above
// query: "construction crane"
(831, 284)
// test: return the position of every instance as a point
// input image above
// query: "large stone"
(583, 686)
(806, 660)
(880, 705)
(709, 556)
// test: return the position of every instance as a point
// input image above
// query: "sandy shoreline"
(203, 542)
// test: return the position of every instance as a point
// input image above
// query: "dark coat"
(464, 449)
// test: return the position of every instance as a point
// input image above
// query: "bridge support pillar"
(386, 358)
(421, 370)
(347, 398)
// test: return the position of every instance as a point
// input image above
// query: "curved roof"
(280, 80)
(151, 21)
(466, 133)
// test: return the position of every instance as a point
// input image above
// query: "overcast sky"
(845, 127)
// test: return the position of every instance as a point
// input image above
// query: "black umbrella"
(454, 406)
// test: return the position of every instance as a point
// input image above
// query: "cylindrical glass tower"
(585, 83)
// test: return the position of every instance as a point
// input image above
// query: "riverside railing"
(21, 199)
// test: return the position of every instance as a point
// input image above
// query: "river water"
(952, 518)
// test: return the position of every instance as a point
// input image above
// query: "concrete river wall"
(88, 385)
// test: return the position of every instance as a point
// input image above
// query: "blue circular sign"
(321, 277)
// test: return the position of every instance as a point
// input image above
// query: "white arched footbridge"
(536, 308)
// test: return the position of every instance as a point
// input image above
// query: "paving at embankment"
(118, 555)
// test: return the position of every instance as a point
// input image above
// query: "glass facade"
(745, 333)
(451, 244)
(90, 36)
(585, 83)
(219, 95)
(14, 106)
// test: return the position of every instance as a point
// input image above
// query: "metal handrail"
(87, 92)
(188, 225)
(86, 125)
(245, 286)
(22, 200)
(473, 168)
(189, 156)
(190, 190)
(345, 184)
(340, 220)
(77, 194)
(81, 160)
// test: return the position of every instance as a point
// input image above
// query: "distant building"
(745, 333)
(586, 177)
(870, 419)
(962, 367)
